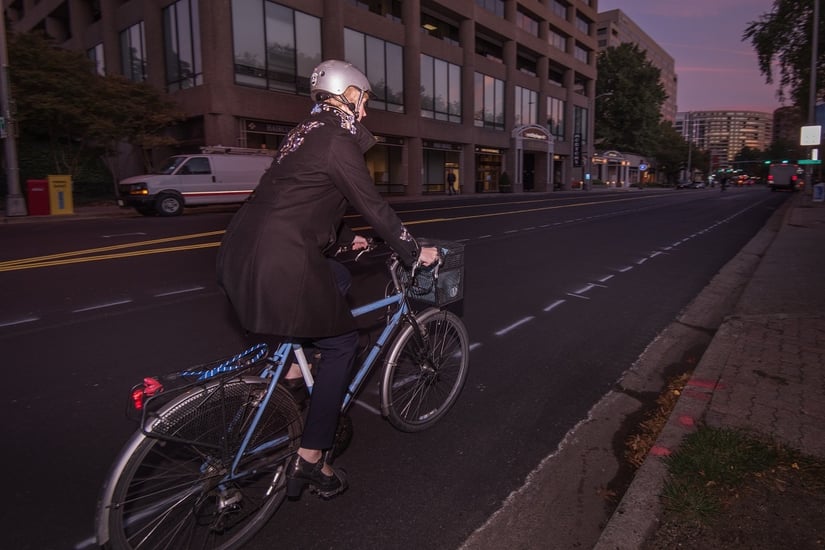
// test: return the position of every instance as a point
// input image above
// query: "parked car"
(218, 175)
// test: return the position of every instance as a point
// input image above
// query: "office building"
(614, 27)
(725, 133)
(476, 87)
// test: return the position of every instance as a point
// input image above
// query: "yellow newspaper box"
(60, 195)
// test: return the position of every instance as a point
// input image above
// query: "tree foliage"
(782, 37)
(629, 109)
(671, 153)
(82, 115)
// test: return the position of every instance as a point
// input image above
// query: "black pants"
(332, 376)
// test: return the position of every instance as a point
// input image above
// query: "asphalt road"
(563, 293)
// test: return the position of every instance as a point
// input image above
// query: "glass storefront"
(440, 159)
(385, 165)
(488, 169)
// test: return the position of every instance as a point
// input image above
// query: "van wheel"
(169, 205)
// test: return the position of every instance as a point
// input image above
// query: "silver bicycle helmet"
(332, 77)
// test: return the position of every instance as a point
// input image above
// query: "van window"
(170, 165)
(196, 165)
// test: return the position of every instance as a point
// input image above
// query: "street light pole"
(15, 205)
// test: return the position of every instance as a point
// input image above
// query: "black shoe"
(301, 473)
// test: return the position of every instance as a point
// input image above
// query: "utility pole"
(15, 205)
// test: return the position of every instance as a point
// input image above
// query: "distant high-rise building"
(725, 133)
(614, 27)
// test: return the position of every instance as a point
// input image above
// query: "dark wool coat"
(272, 262)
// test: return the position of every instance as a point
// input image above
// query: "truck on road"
(784, 177)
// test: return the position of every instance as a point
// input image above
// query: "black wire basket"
(440, 286)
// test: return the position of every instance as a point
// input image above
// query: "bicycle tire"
(169, 488)
(423, 376)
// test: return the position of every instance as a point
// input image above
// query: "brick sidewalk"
(773, 382)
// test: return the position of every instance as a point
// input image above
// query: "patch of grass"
(711, 464)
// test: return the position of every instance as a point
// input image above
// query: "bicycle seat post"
(301, 358)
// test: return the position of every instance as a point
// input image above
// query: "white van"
(218, 175)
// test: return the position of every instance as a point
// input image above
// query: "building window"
(583, 24)
(133, 53)
(390, 9)
(383, 63)
(559, 8)
(95, 55)
(440, 89)
(439, 28)
(489, 102)
(557, 39)
(527, 22)
(182, 45)
(495, 6)
(555, 117)
(555, 74)
(526, 106)
(275, 47)
(580, 53)
(526, 63)
(490, 49)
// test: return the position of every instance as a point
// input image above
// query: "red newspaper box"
(37, 197)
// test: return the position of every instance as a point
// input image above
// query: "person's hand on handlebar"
(428, 255)
(359, 243)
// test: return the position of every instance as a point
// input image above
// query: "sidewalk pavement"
(763, 372)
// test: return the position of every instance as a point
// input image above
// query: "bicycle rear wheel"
(425, 370)
(175, 490)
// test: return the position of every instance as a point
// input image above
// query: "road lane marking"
(103, 306)
(515, 325)
(182, 291)
(554, 305)
(19, 321)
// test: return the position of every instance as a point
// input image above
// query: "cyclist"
(273, 261)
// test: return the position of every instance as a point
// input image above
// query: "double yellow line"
(109, 252)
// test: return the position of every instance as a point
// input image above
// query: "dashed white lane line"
(102, 306)
(19, 321)
(181, 291)
(515, 325)
(554, 305)
(606, 278)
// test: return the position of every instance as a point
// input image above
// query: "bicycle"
(206, 468)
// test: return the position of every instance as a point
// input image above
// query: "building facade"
(725, 133)
(614, 27)
(472, 87)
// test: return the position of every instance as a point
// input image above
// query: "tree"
(629, 116)
(671, 153)
(82, 116)
(783, 37)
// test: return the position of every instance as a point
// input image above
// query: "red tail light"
(793, 178)
(144, 391)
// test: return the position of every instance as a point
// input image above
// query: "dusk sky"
(716, 69)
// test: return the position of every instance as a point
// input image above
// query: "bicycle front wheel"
(425, 370)
(174, 488)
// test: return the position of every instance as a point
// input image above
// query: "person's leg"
(333, 376)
